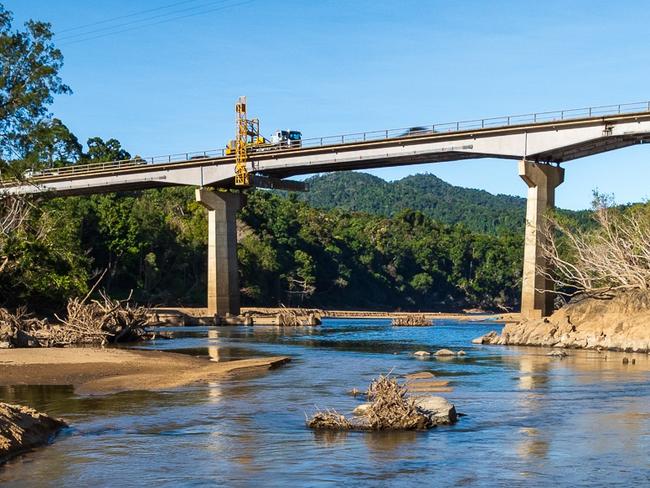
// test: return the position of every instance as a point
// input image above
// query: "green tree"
(29, 78)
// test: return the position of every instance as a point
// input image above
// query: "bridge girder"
(558, 141)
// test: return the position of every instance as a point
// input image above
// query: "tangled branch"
(613, 256)
(98, 322)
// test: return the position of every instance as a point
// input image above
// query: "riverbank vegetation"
(611, 256)
(154, 243)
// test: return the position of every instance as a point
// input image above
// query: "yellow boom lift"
(248, 136)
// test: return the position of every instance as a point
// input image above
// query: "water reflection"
(534, 372)
(213, 349)
(330, 438)
(531, 444)
(384, 443)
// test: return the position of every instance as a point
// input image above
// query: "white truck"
(287, 138)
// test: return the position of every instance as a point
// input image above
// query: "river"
(530, 419)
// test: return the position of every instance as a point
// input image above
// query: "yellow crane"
(247, 136)
(248, 139)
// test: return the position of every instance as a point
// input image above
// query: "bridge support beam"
(223, 276)
(542, 180)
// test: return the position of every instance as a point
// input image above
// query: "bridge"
(540, 142)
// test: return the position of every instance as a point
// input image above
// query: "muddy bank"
(101, 371)
(621, 323)
(22, 428)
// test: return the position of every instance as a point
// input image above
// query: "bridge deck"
(365, 141)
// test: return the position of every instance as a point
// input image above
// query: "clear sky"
(168, 81)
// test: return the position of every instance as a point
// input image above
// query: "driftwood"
(390, 409)
(329, 420)
(20, 329)
(97, 322)
(412, 320)
(297, 318)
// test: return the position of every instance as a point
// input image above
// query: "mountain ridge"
(478, 210)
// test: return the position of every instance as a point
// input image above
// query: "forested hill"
(478, 210)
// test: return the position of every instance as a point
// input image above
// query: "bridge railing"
(81, 169)
(447, 127)
(475, 124)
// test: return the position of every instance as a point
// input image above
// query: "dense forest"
(154, 242)
(478, 210)
(416, 244)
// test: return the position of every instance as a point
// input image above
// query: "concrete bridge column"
(223, 276)
(542, 179)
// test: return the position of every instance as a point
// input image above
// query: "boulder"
(438, 408)
(619, 322)
(22, 428)
(361, 410)
(490, 338)
(557, 354)
(421, 354)
(444, 352)
(462, 353)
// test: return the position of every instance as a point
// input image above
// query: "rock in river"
(421, 354)
(361, 409)
(422, 375)
(22, 428)
(438, 408)
(490, 338)
(444, 352)
(557, 354)
(619, 322)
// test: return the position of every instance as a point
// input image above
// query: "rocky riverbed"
(618, 323)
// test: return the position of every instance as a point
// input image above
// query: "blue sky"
(327, 67)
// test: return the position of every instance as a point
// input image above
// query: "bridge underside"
(589, 148)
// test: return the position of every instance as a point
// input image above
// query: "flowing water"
(530, 419)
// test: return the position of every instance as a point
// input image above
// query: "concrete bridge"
(540, 142)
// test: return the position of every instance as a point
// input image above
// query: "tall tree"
(29, 78)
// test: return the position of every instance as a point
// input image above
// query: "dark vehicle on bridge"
(417, 131)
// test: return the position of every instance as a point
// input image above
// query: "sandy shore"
(102, 371)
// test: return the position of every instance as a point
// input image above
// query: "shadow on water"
(61, 400)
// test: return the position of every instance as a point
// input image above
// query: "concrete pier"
(542, 179)
(223, 276)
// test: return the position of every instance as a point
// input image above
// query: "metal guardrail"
(448, 127)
